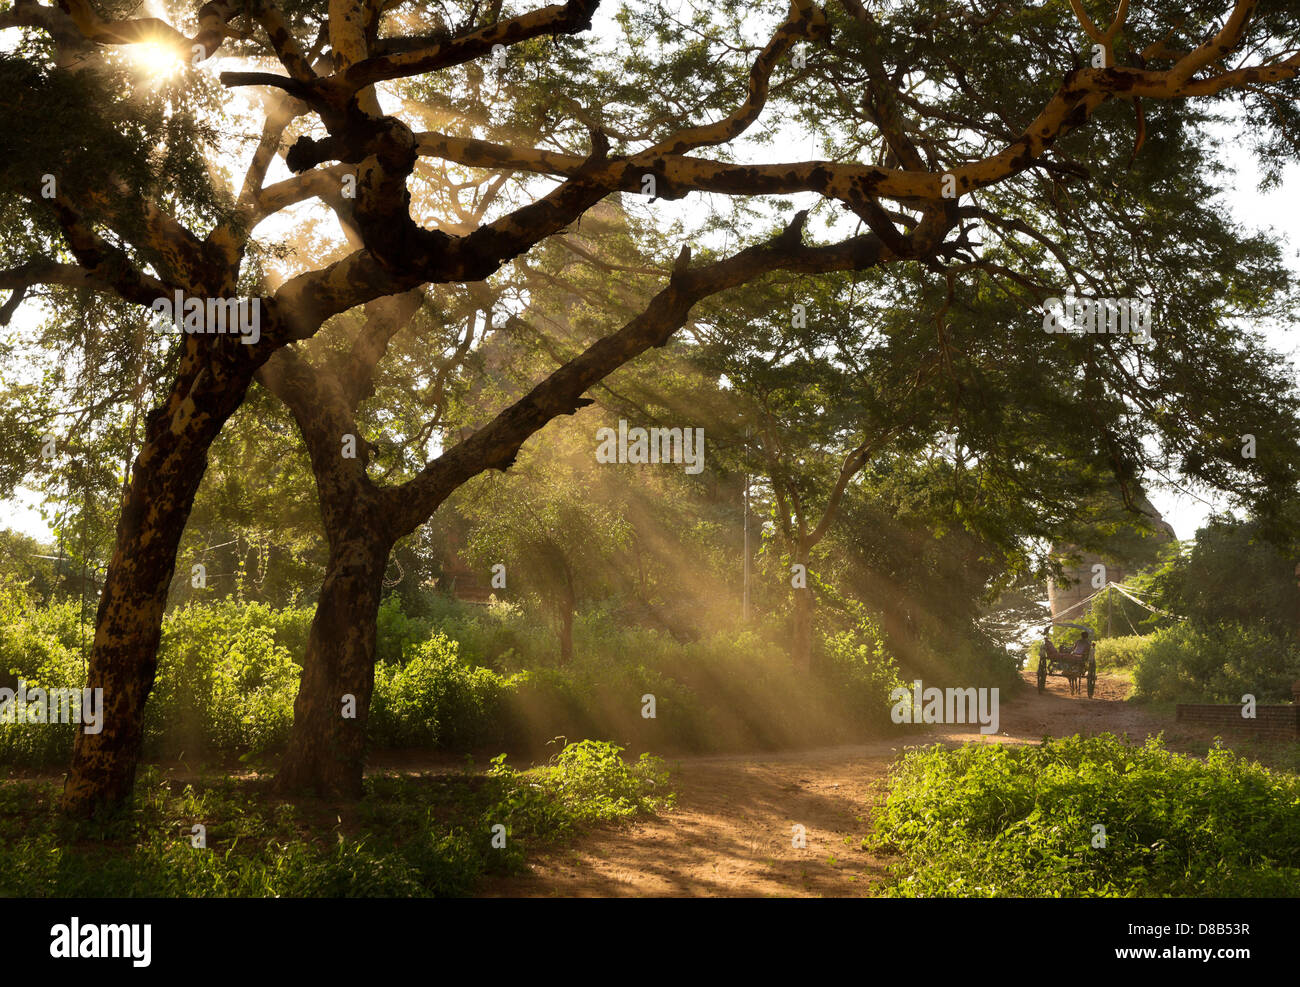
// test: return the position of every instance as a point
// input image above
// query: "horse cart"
(1077, 663)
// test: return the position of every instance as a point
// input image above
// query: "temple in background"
(1064, 597)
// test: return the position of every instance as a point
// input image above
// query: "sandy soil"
(731, 832)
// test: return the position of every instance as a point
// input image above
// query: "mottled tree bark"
(128, 624)
(326, 753)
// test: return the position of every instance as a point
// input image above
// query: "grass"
(410, 836)
(990, 820)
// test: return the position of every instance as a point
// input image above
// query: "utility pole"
(1297, 586)
(745, 611)
(81, 609)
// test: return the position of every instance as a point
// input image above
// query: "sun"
(156, 59)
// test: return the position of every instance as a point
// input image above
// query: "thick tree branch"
(214, 18)
(101, 260)
(568, 18)
(496, 444)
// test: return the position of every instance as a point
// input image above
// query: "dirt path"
(731, 832)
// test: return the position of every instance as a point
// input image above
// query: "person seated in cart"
(1049, 649)
(1080, 649)
(1074, 663)
(1081, 646)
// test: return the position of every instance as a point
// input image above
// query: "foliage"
(467, 679)
(1234, 573)
(408, 837)
(1217, 665)
(990, 820)
(434, 699)
(586, 782)
(1121, 652)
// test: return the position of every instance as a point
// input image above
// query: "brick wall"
(1274, 722)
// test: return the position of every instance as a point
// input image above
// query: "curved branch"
(568, 18)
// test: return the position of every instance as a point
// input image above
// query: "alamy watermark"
(684, 446)
(1097, 316)
(84, 706)
(199, 316)
(935, 705)
(74, 941)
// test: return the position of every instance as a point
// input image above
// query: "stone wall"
(1273, 722)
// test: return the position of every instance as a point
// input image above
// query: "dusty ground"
(731, 831)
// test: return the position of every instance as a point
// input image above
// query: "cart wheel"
(1092, 677)
(1042, 674)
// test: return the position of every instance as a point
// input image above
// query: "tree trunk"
(327, 748)
(801, 631)
(128, 624)
(567, 605)
(566, 630)
(801, 644)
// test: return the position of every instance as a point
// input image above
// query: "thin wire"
(1130, 623)
(1182, 490)
(1077, 605)
(1162, 613)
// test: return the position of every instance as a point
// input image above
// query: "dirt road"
(732, 830)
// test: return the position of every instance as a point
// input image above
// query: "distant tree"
(31, 564)
(555, 540)
(1233, 574)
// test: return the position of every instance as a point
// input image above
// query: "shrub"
(1121, 652)
(42, 647)
(586, 782)
(464, 679)
(396, 633)
(223, 684)
(988, 820)
(437, 700)
(1185, 664)
(866, 673)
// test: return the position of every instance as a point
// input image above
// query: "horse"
(1074, 672)
(1072, 664)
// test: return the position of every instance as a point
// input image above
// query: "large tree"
(995, 93)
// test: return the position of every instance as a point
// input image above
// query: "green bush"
(729, 691)
(396, 633)
(866, 675)
(42, 647)
(988, 820)
(437, 700)
(1121, 652)
(1220, 665)
(223, 684)
(464, 679)
(585, 783)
